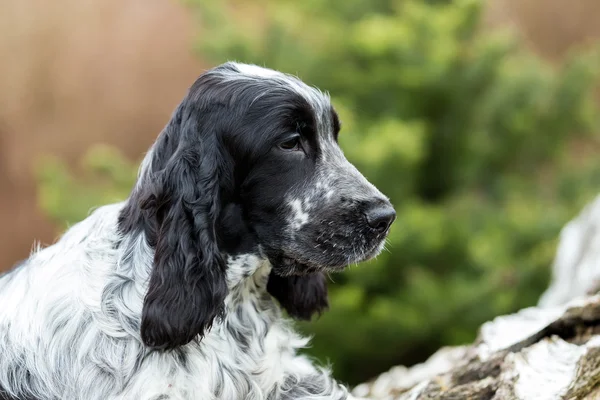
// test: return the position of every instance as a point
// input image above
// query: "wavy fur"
(177, 292)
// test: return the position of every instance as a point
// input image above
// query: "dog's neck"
(251, 267)
(247, 278)
(247, 268)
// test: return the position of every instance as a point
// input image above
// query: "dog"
(241, 208)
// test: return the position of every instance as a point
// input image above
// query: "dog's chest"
(241, 357)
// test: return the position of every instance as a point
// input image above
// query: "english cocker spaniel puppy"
(241, 207)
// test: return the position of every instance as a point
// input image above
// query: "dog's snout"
(380, 216)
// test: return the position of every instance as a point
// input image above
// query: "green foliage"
(104, 176)
(472, 138)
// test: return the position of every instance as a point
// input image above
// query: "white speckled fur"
(70, 321)
(70, 314)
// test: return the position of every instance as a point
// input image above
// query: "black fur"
(191, 179)
(178, 206)
(301, 296)
(216, 185)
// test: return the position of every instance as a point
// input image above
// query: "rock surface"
(547, 352)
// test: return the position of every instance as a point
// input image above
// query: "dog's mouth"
(367, 255)
(328, 257)
(375, 251)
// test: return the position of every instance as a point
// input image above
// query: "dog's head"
(249, 162)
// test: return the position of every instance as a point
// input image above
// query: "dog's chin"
(374, 252)
(365, 256)
(287, 264)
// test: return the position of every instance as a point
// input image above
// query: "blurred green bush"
(484, 150)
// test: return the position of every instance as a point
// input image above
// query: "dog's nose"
(380, 217)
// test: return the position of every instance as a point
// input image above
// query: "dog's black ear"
(301, 296)
(176, 203)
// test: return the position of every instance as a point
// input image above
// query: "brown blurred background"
(74, 73)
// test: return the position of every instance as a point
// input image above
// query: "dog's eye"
(291, 144)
